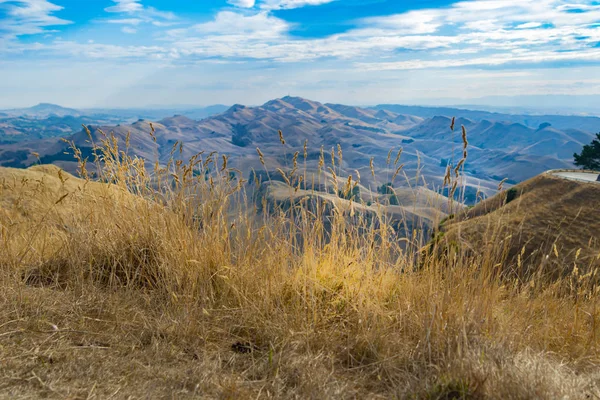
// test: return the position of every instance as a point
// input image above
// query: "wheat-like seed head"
(448, 176)
(281, 139)
(398, 156)
(224, 167)
(334, 178)
(285, 178)
(300, 180)
(501, 184)
(87, 131)
(397, 172)
(332, 158)
(260, 156)
(457, 169)
(348, 185)
(321, 159)
(152, 130)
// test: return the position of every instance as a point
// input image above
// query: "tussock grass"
(171, 283)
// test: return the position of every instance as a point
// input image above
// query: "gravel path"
(578, 176)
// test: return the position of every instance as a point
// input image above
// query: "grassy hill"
(416, 209)
(546, 221)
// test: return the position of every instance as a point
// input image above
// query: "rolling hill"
(547, 220)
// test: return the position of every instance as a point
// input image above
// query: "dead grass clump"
(135, 264)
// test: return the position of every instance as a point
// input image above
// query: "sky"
(149, 53)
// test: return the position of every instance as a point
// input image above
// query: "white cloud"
(288, 4)
(125, 6)
(28, 17)
(529, 25)
(228, 23)
(410, 23)
(125, 21)
(137, 13)
(494, 60)
(242, 3)
(154, 13)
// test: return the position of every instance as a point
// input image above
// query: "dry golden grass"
(548, 223)
(170, 285)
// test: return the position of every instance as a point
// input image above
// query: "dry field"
(169, 284)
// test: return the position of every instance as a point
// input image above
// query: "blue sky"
(125, 53)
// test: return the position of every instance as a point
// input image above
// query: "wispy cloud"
(28, 17)
(125, 21)
(277, 4)
(535, 57)
(125, 6)
(260, 25)
(135, 13)
(288, 4)
(242, 3)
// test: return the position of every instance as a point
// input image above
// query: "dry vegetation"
(171, 285)
(547, 222)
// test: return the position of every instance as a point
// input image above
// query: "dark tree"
(386, 188)
(590, 155)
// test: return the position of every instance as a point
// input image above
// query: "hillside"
(418, 209)
(27, 195)
(547, 220)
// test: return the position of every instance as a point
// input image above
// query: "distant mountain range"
(516, 147)
(587, 123)
(50, 120)
(117, 115)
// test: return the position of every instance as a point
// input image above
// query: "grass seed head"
(281, 139)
